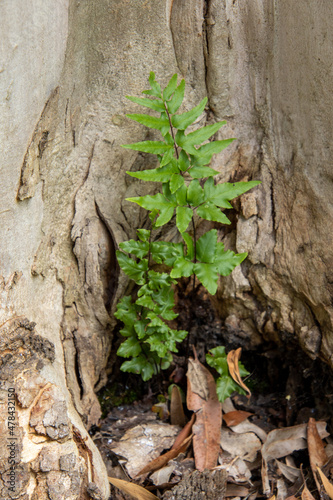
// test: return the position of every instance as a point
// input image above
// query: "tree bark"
(265, 67)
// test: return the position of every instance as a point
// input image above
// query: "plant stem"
(172, 132)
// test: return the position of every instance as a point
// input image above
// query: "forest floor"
(271, 443)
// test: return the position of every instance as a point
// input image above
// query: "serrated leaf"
(170, 88)
(182, 267)
(135, 270)
(126, 311)
(200, 172)
(155, 87)
(177, 98)
(225, 386)
(227, 260)
(212, 148)
(220, 194)
(206, 246)
(139, 365)
(130, 347)
(161, 174)
(156, 202)
(183, 218)
(156, 345)
(165, 252)
(154, 104)
(208, 211)
(143, 234)
(145, 301)
(150, 121)
(137, 248)
(183, 161)
(202, 134)
(159, 279)
(190, 245)
(176, 181)
(181, 122)
(207, 275)
(217, 359)
(181, 195)
(167, 157)
(154, 147)
(195, 193)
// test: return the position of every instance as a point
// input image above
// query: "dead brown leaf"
(284, 441)
(177, 416)
(184, 433)
(306, 495)
(162, 460)
(232, 359)
(202, 399)
(327, 484)
(236, 417)
(235, 490)
(132, 489)
(317, 453)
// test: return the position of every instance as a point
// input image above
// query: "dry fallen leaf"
(283, 442)
(317, 453)
(327, 484)
(177, 416)
(290, 473)
(184, 433)
(245, 446)
(235, 490)
(306, 495)
(132, 489)
(233, 359)
(236, 417)
(162, 460)
(202, 399)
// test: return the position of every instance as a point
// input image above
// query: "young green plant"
(188, 192)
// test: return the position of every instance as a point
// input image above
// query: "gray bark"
(65, 70)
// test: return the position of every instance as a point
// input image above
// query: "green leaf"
(195, 193)
(156, 345)
(143, 234)
(145, 301)
(154, 147)
(130, 347)
(183, 218)
(137, 248)
(155, 87)
(220, 194)
(135, 270)
(200, 172)
(165, 215)
(170, 88)
(206, 246)
(208, 211)
(150, 121)
(167, 157)
(190, 245)
(140, 328)
(159, 279)
(176, 182)
(126, 311)
(212, 148)
(217, 359)
(225, 386)
(154, 104)
(183, 161)
(202, 134)
(139, 365)
(227, 260)
(157, 201)
(182, 267)
(181, 122)
(177, 99)
(161, 174)
(181, 195)
(207, 275)
(166, 252)
(165, 302)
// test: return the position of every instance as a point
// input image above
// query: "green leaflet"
(135, 270)
(176, 182)
(182, 267)
(227, 260)
(161, 174)
(178, 96)
(212, 148)
(208, 211)
(195, 193)
(143, 234)
(202, 171)
(220, 194)
(137, 248)
(130, 347)
(207, 275)
(155, 104)
(202, 134)
(183, 218)
(182, 121)
(206, 246)
(151, 121)
(170, 88)
(190, 245)
(139, 365)
(154, 147)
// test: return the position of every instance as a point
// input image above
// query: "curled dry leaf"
(236, 417)
(306, 495)
(202, 399)
(233, 359)
(132, 489)
(177, 416)
(161, 461)
(283, 442)
(184, 433)
(326, 483)
(317, 453)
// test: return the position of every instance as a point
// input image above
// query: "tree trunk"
(66, 68)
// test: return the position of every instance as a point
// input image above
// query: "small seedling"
(188, 192)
